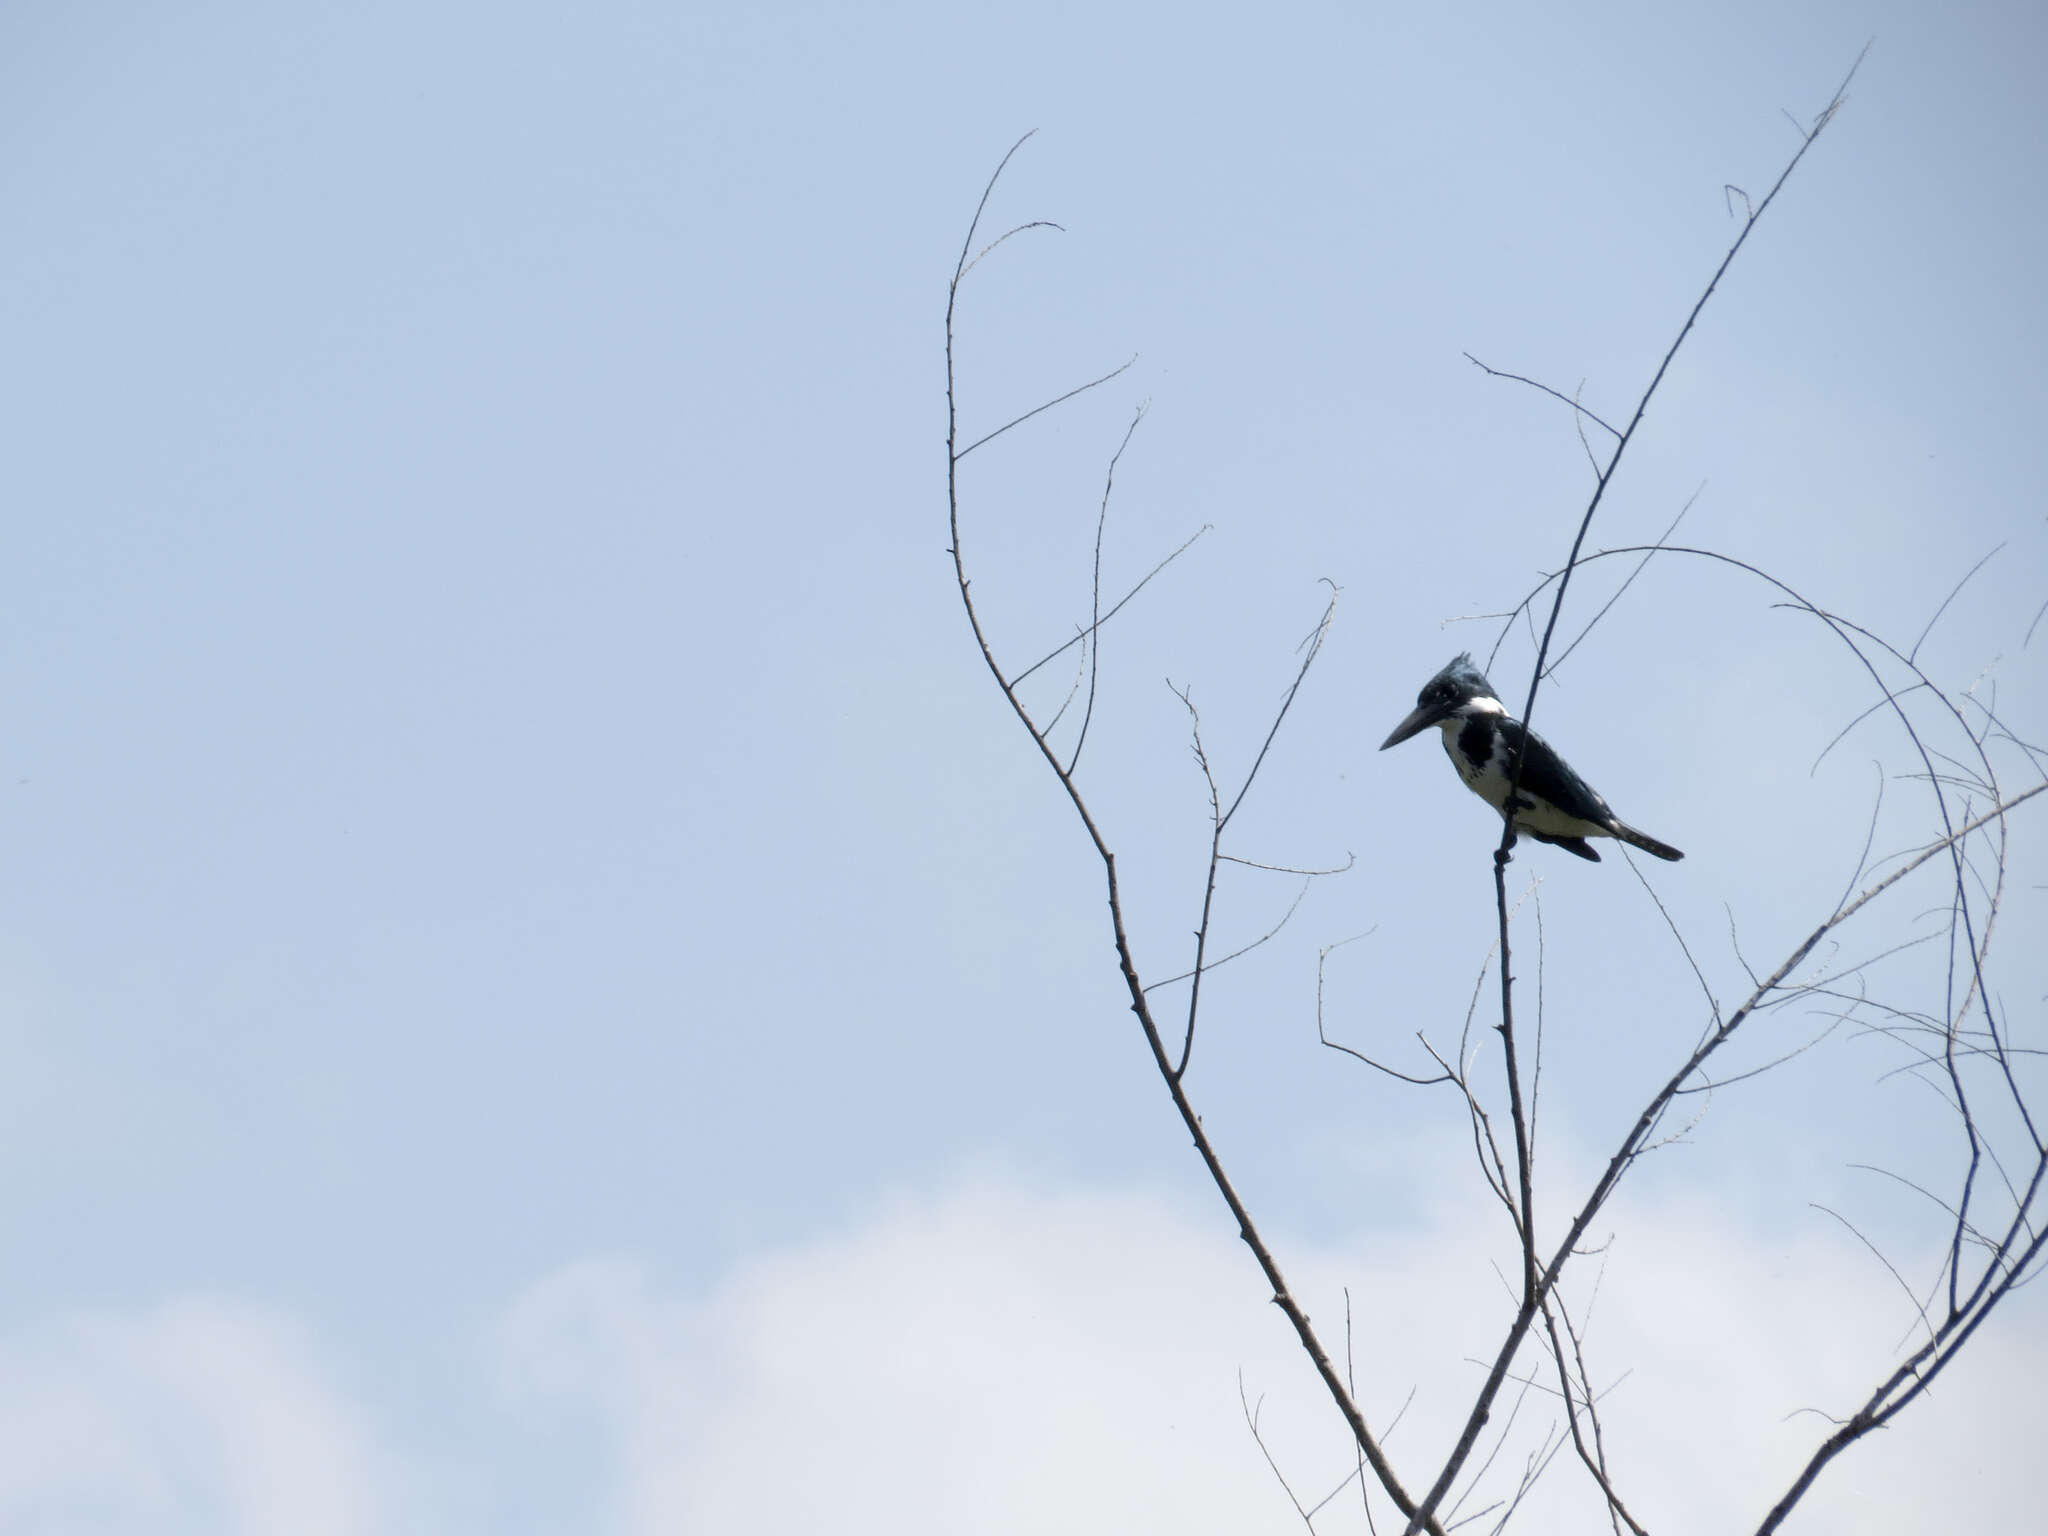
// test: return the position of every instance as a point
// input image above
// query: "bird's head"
(1460, 690)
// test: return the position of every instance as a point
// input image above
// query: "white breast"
(1487, 780)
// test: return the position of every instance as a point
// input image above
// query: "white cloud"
(995, 1360)
(1740, 1353)
(200, 1415)
(986, 1362)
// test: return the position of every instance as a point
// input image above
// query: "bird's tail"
(1646, 842)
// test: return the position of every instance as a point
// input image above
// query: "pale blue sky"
(494, 778)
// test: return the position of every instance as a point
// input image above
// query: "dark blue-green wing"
(1549, 777)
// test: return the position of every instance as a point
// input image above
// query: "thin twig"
(1088, 634)
(1954, 592)
(1628, 581)
(1308, 879)
(1251, 1420)
(1095, 602)
(1039, 410)
(1578, 409)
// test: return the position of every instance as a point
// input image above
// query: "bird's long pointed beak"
(1425, 715)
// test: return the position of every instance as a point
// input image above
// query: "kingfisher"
(1552, 803)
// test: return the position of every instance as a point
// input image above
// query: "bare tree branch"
(1094, 647)
(1283, 1297)
(1578, 410)
(1087, 635)
(1039, 410)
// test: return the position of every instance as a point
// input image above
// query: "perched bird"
(1552, 804)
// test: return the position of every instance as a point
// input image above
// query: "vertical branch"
(1220, 817)
(1519, 1114)
(1635, 421)
(1577, 1390)
(1095, 599)
(1216, 820)
(1535, 1283)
